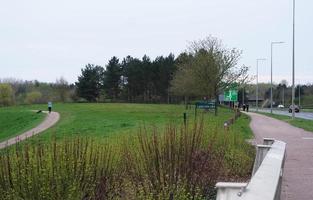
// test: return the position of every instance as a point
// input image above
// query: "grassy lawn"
(297, 122)
(103, 120)
(16, 120)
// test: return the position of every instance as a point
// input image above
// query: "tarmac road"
(302, 115)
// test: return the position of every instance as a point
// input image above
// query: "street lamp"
(299, 95)
(272, 44)
(293, 60)
(257, 83)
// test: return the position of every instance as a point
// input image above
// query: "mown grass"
(297, 122)
(109, 120)
(16, 120)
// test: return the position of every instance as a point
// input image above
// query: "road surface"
(49, 121)
(302, 115)
(298, 171)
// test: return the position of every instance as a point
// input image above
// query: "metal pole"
(272, 78)
(257, 83)
(257, 86)
(299, 95)
(283, 96)
(272, 73)
(293, 60)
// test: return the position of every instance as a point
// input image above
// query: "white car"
(280, 106)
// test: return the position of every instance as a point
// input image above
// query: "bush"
(33, 97)
(71, 169)
(187, 159)
(6, 94)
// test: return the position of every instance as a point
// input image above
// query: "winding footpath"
(298, 171)
(48, 122)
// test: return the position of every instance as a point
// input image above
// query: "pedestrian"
(49, 106)
(247, 107)
(244, 107)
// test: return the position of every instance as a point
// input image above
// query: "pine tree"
(90, 82)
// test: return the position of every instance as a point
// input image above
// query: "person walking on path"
(49, 106)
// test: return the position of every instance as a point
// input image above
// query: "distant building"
(252, 100)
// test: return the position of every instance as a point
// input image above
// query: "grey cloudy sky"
(45, 40)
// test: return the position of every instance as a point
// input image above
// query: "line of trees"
(205, 69)
(13, 91)
(131, 80)
(282, 93)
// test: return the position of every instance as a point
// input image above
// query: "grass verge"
(16, 120)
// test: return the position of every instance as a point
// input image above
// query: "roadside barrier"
(266, 180)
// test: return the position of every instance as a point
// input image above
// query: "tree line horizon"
(205, 69)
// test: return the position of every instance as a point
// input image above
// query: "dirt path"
(49, 121)
(298, 173)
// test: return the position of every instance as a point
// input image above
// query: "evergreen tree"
(134, 78)
(112, 78)
(90, 82)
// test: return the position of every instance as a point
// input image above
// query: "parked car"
(280, 106)
(297, 109)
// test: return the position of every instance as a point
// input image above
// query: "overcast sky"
(45, 40)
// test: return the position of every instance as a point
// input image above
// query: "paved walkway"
(298, 172)
(49, 121)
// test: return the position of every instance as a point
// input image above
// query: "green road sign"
(231, 95)
(205, 104)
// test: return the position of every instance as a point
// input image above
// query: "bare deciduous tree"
(62, 88)
(209, 69)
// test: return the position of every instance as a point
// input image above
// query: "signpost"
(206, 105)
(231, 95)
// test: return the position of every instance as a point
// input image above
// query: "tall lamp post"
(293, 60)
(257, 83)
(299, 95)
(283, 96)
(272, 44)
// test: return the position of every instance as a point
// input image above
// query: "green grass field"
(297, 122)
(16, 120)
(108, 119)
